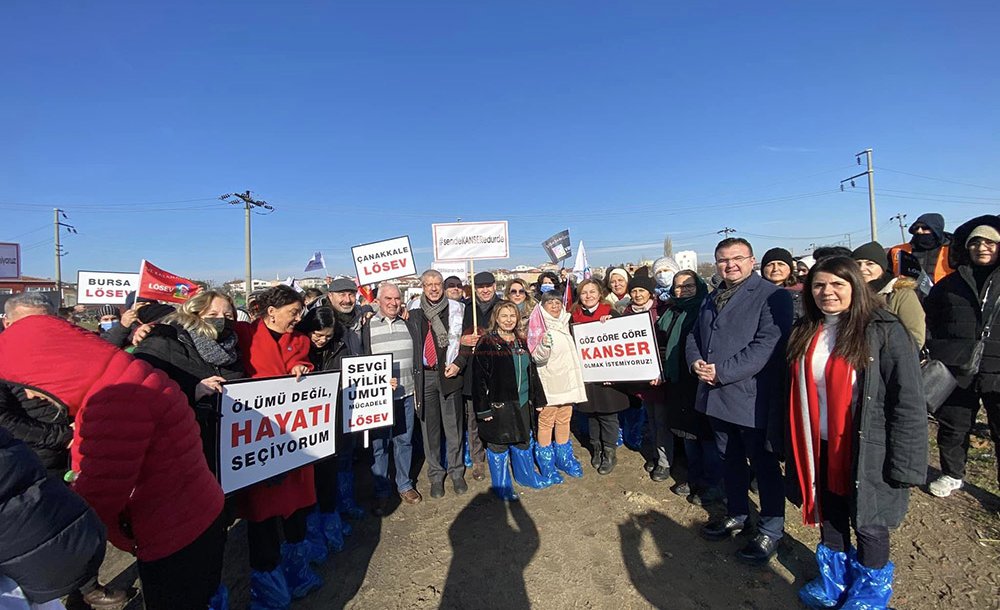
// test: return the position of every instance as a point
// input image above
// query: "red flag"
(155, 283)
(365, 291)
(568, 295)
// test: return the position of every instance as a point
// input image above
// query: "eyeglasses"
(739, 260)
(685, 287)
(516, 291)
(982, 242)
(452, 285)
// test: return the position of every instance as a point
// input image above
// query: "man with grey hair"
(24, 305)
(438, 322)
(387, 333)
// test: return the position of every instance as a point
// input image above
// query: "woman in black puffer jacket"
(51, 542)
(960, 309)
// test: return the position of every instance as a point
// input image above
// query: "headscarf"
(677, 322)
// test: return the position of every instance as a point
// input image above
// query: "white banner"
(621, 349)
(383, 260)
(459, 270)
(271, 426)
(104, 287)
(10, 261)
(367, 393)
(462, 241)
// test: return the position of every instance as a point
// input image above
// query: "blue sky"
(367, 120)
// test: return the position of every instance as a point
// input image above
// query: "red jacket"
(136, 446)
(265, 357)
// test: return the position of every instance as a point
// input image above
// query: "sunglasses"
(516, 291)
(452, 285)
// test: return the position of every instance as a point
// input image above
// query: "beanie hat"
(153, 312)
(984, 231)
(934, 222)
(618, 271)
(777, 254)
(109, 310)
(642, 280)
(872, 251)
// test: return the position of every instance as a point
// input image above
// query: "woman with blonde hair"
(517, 293)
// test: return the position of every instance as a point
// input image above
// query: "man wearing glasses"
(736, 350)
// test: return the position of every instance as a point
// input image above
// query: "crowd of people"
(802, 381)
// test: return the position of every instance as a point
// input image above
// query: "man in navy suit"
(737, 351)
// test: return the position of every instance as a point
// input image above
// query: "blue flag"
(316, 262)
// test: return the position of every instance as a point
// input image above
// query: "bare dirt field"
(622, 541)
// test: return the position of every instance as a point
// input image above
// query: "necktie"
(430, 350)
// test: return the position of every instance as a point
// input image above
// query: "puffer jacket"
(900, 298)
(42, 426)
(559, 366)
(51, 542)
(136, 447)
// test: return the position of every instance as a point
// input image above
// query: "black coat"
(957, 310)
(889, 444)
(447, 384)
(51, 542)
(42, 426)
(482, 323)
(171, 349)
(495, 380)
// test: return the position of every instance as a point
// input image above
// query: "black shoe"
(459, 484)
(437, 489)
(707, 497)
(760, 550)
(649, 465)
(608, 461)
(720, 530)
(595, 457)
(660, 474)
(682, 489)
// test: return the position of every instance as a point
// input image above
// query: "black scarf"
(723, 293)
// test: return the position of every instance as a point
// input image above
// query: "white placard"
(459, 270)
(271, 426)
(367, 393)
(10, 261)
(104, 287)
(383, 260)
(462, 241)
(621, 349)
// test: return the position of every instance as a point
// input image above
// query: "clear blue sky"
(367, 120)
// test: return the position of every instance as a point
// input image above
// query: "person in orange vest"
(929, 245)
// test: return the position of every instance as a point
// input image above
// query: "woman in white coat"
(561, 373)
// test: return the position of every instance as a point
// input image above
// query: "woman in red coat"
(136, 454)
(270, 347)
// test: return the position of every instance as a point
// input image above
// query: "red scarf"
(805, 428)
(580, 316)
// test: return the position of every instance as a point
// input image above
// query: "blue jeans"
(737, 444)
(400, 436)
(704, 463)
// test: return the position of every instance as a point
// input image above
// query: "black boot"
(595, 456)
(608, 460)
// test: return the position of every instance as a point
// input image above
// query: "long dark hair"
(852, 344)
(320, 318)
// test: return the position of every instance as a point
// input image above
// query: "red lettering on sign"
(265, 429)
(241, 430)
(300, 420)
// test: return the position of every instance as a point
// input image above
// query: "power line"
(978, 186)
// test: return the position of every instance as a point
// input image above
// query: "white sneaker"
(944, 485)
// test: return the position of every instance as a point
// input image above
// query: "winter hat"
(342, 284)
(642, 280)
(777, 254)
(872, 251)
(984, 231)
(807, 260)
(153, 312)
(618, 271)
(109, 310)
(934, 222)
(484, 278)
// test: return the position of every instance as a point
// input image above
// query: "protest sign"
(621, 349)
(160, 285)
(447, 270)
(383, 260)
(10, 261)
(367, 393)
(104, 287)
(460, 241)
(557, 247)
(271, 426)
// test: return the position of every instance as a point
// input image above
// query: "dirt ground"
(622, 541)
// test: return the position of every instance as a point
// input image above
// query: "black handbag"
(939, 383)
(507, 427)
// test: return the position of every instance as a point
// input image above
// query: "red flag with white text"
(155, 283)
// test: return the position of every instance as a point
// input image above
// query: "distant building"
(687, 259)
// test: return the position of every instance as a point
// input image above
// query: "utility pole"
(900, 217)
(59, 251)
(246, 199)
(871, 188)
(726, 231)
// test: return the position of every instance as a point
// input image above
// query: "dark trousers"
(325, 473)
(476, 449)
(704, 463)
(264, 538)
(442, 412)
(188, 578)
(737, 445)
(503, 448)
(835, 531)
(603, 429)
(955, 419)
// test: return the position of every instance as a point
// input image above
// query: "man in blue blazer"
(737, 351)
